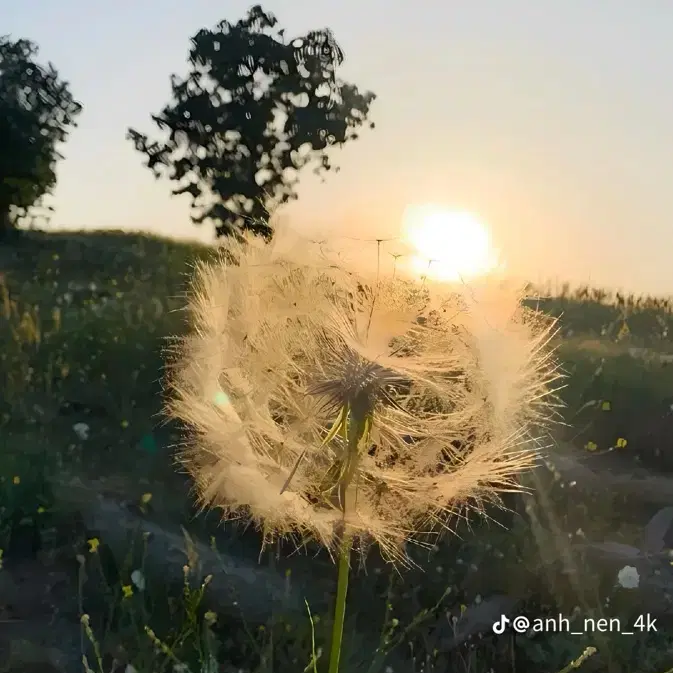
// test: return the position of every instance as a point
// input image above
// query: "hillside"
(83, 321)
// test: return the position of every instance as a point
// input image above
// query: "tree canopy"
(36, 112)
(254, 109)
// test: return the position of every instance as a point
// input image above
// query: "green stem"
(354, 429)
(340, 606)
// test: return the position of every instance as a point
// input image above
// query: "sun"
(448, 245)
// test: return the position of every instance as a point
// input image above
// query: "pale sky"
(552, 120)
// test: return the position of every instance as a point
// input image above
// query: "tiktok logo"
(520, 624)
(500, 625)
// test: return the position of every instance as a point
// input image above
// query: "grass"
(83, 319)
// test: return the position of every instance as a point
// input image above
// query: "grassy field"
(104, 556)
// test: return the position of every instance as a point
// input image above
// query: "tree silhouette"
(253, 111)
(36, 112)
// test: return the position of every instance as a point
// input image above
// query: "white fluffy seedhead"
(456, 382)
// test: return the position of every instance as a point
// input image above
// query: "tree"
(36, 112)
(254, 110)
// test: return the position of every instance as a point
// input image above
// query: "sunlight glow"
(449, 245)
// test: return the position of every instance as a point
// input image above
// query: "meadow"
(107, 565)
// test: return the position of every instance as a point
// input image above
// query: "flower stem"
(340, 606)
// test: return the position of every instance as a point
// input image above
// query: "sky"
(551, 121)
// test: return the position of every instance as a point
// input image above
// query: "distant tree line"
(253, 111)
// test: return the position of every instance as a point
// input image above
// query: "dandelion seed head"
(455, 383)
(628, 577)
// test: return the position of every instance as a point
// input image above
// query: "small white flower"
(138, 579)
(81, 430)
(628, 577)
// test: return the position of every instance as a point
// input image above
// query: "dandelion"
(93, 543)
(628, 577)
(81, 430)
(352, 408)
(138, 580)
(127, 591)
